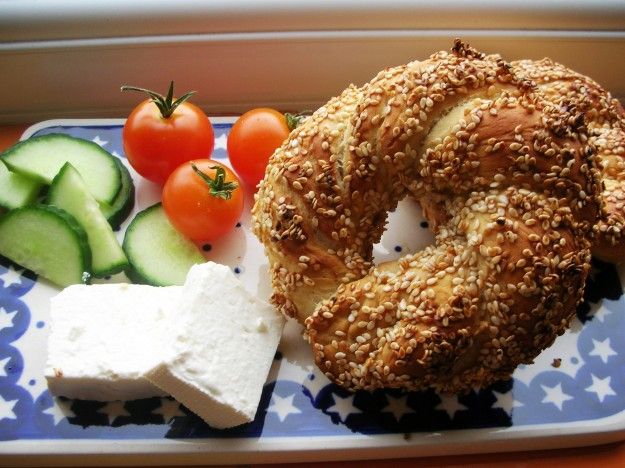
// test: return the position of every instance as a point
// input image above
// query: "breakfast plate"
(574, 393)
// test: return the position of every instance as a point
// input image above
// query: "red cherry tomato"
(253, 139)
(156, 143)
(203, 199)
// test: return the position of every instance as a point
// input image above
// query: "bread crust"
(511, 187)
(605, 119)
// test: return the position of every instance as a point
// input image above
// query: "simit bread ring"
(605, 118)
(513, 184)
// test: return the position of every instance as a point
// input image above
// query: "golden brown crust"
(605, 118)
(511, 185)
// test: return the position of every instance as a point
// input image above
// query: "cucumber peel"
(118, 210)
(48, 241)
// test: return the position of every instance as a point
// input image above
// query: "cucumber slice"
(117, 212)
(69, 192)
(47, 241)
(17, 190)
(42, 157)
(158, 254)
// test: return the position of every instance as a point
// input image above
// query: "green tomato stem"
(218, 186)
(166, 104)
(293, 120)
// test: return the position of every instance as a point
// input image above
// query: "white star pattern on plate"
(114, 410)
(3, 365)
(601, 387)
(99, 141)
(597, 311)
(283, 406)
(11, 276)
(115, 153)
(35, 337)
(6, 318)
(316, 384)
(398, 407)
(302, 374)
(169, 409)
(221, 142)
(555, 395)
(506, 402)
(451, 405)
(343, 407)
(60, 410)
(570, 363)
(6, 409)
(602, 349)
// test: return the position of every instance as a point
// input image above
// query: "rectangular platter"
(573, 395)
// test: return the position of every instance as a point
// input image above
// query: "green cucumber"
(69, 192)
(17, 190)
(43, 156)
(158, 254)
(48, 241)
(117, 211)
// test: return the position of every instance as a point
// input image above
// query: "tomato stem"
(166, 104)
(218, 186)
(293, 120)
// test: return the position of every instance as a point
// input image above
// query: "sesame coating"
(509, 184)
(605, 118)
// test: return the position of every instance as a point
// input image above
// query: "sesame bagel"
(508, 181)
(605, 119)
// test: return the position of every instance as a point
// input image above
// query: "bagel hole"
(407, 231)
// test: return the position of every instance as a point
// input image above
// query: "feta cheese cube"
(222, 350)
(105, 337)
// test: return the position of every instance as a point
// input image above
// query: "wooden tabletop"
(603, 456)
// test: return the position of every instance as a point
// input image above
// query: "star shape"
(601, 387)
(99, 141)
(398, 407)
(6, 318)
(221, 141)
(283, 406)
(506, 402)
(555, 395)
(450, 404)
(60, 410)
(114, 410)
(169, 409)
(11, 276)
(6, 409)
(600, 313)
(3, 365)
(309, 376)
(343, 407)
(602, 349)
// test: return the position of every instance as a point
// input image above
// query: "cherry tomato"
(161, 133)
(253, 139)
(203, 199)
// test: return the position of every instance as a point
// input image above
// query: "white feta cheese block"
(105, 337)
(223, 349)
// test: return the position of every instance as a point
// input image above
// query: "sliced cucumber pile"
(42, 157)
(69, 192)
(70, 238)
(90, 192)
(17, 190)
(158, 254)
(47, 241)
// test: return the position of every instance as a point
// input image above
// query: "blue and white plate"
(574, 394)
